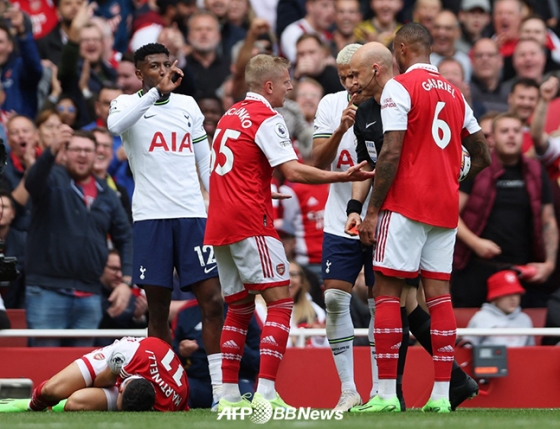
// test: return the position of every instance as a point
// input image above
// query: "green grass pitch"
(204, 419)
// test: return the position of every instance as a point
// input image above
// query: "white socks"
(387, 388)
(267, 388)
(440, 390)
(340, 333)
(215, 369)
(374, 370)
(231, 392)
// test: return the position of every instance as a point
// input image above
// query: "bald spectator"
(445, 33)
(474, 18)
(210, 69)
(486, 85)
(506, 17)
(425, 12)
(318, 20)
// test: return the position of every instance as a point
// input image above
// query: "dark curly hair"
(149, 49)
(139, 395)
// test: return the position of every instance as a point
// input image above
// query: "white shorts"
(406, 247)
(253, 264)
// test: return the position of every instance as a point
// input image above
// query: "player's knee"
(337, 301)
(213, 307)
(76, 402)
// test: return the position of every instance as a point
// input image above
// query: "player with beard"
(372, 67)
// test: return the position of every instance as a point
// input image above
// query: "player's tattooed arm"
(480, 154)
(386, 167)
(550, 234)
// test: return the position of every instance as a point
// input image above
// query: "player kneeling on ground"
(132, 374)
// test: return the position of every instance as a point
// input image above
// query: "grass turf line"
(204, 419)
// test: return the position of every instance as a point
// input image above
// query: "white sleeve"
(273, 139)
(201, 147)
(323, 125)
(470, 124)
(124, 115)
(395, 105)
(122, 353)
(552, 153)
(288, 41)
(202, 156)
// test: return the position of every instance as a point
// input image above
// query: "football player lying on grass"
(131, 374)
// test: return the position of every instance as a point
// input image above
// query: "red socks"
(233, 339)
(387, 331)
(444, 333)
(274, 337)
(38, 401)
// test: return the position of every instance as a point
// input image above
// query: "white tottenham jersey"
(159, 139)
(327, 120)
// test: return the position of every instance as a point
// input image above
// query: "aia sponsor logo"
(171, 143)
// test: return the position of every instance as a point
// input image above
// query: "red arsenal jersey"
(435, 117)
(250, 140)
(155, 361)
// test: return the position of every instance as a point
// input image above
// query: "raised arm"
(325, 148)
(548, 91)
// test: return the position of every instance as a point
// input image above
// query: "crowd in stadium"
(63, 64)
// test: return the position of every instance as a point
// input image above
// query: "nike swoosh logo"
(337, 353)
(207, 270)
(370, 124)
(151, 116)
